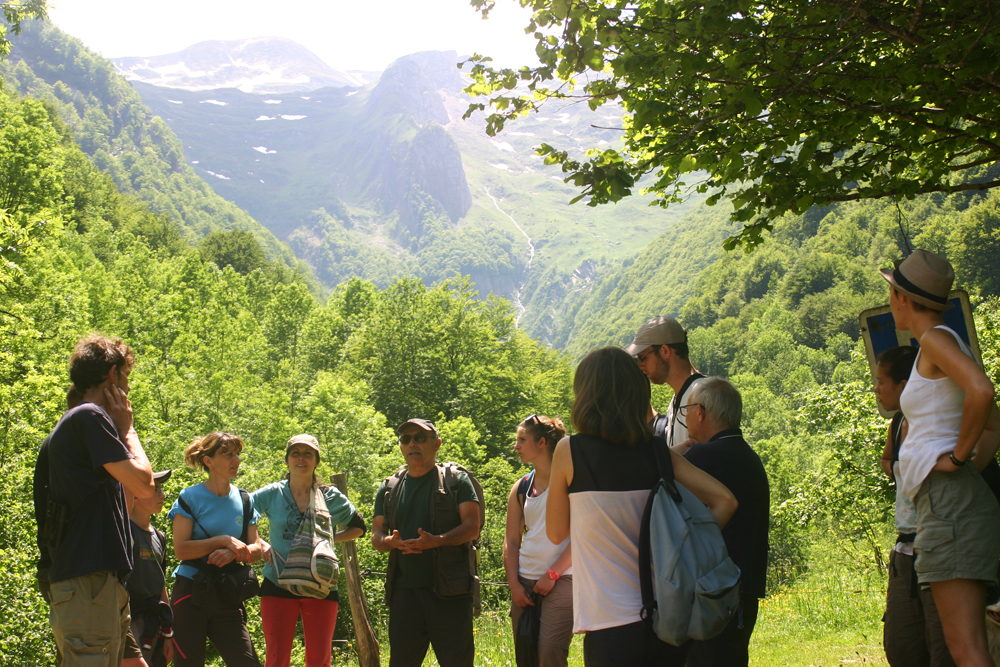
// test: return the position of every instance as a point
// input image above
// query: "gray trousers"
(912, 635)
(556, 631)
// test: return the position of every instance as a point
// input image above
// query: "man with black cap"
(661, 350)
(426, 516)
(152, 616)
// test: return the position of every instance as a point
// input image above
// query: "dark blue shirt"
(98, 537)
(728, 458)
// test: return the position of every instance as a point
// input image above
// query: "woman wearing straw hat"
(286, 504)
(948, 402)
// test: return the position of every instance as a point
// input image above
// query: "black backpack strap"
(392, 486)
(247, 515)
(660, 425)
(896, 428)
(523, 489)
(676, 401)
(160, 535)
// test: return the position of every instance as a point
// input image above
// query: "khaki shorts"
(90, 620)
(958, 528)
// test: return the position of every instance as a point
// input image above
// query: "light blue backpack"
(690, 585)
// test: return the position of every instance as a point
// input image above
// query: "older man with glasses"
(426, 515)
(713, 413)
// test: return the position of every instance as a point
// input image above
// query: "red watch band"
(553, 575)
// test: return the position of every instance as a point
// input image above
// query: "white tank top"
(933, 408)
(537, 551)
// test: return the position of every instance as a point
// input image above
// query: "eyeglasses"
(419, 439)
(531, 420)
(641, 358)
(683, 410)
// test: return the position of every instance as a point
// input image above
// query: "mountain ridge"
(258, 65)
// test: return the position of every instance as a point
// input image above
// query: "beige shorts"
(958, 528)
(90, 620)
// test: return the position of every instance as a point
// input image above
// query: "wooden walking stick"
(363, 634)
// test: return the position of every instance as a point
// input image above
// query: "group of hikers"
(575, 525)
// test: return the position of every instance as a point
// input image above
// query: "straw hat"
(924, 277)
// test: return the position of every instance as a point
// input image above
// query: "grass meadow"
(828, 617)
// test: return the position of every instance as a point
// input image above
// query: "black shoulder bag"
(234, 583)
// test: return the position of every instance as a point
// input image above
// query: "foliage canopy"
(783, 104)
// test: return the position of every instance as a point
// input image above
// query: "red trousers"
(319, 619)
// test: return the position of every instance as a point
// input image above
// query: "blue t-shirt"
(219, 515)
(275, 501)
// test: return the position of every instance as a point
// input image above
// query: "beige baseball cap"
(657, 331)
(303, 439)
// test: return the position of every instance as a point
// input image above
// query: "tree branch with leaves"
(776, 105)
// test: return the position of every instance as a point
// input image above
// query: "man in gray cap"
(661, 350)
(426, 516)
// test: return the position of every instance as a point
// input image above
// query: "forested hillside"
(112, 126)
(229, 336)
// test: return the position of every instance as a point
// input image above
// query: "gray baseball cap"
(657, 331)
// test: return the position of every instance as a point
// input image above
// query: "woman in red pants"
(284, 503)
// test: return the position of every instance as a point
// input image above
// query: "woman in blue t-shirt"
(208, 521)
(284, 503)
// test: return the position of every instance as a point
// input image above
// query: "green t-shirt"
(413, 510)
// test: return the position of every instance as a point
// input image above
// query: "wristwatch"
(956, 461)
(553, 575)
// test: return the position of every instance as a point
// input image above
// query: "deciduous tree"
(775, 105)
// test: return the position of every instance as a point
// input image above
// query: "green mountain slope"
(113, 126)
(389, 180)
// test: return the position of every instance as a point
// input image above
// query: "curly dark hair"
(94, 357)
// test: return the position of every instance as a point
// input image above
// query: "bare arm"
(887, 455)
(512, 544)
(382, 541)
(187, 549)
(941, 349)
(348, 534)
(557, 517)
(719, 500)
(989, 441)
(135, 474)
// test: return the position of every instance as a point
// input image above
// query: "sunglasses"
(531, 420)
(419, 439)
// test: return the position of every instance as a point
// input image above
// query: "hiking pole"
(367, 643)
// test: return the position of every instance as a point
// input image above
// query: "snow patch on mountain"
(259, 65)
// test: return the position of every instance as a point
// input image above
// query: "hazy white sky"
(361, 34)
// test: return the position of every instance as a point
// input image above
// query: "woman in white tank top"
(533, 563)
(948, 402)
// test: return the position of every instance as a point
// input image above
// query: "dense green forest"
(229, 335)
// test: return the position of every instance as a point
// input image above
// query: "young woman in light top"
(948, 402)
(600, 481)
(533, 563)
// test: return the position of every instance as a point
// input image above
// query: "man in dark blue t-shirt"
(94, 458)
(713, 411)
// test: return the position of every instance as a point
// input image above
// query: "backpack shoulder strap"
(448, 476)
(160, 535)
(675, 402)
(392, 485)
(247, 515)
(523, 489)
(660, 425)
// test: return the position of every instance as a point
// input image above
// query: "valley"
(387, 179)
